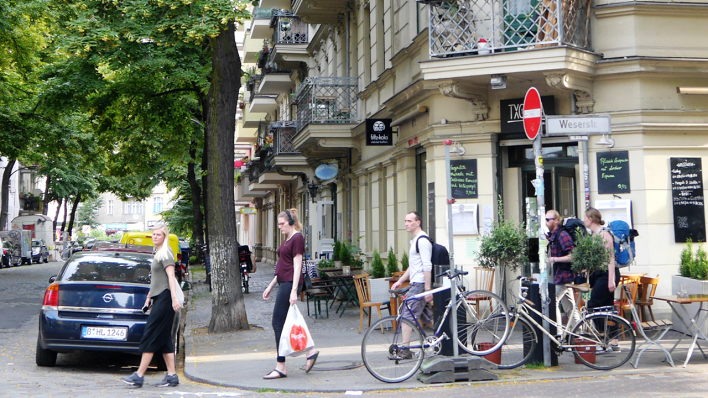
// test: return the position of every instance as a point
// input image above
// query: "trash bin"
(440, 300)
(534, 295)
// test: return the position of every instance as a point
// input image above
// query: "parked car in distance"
(95, 304)
(39, 251)
(75, 247)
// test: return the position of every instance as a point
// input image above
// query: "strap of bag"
(423, 236)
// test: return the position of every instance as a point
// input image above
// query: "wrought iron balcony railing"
(253, 85)
(283, 135)
(288, 28)
(263, 13)
(326, 100)
(469, 27)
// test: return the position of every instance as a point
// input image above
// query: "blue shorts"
(422, 309)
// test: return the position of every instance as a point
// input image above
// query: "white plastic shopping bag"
(296, 338)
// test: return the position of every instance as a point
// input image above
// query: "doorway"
(559, 189)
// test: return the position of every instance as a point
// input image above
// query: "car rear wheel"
(45, 357)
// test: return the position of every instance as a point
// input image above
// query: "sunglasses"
(550, 219)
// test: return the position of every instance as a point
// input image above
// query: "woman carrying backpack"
(603, 283)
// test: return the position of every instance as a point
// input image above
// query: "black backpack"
(440, 255)
(571, 225)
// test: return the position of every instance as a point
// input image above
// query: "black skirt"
(157, 337)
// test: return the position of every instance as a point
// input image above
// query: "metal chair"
(363, 291)
(657, 329)
(647, 289)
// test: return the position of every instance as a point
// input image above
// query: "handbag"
(295, 339)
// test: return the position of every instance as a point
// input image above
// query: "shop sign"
(578, 125)
(688, 200)
(512, 113)
(248, 210)
(379, 132)
(117, 226)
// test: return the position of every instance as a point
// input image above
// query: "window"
(157, 205)
(110, 207)
(138, 207)
(127, 208)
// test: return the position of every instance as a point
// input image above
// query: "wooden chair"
(647, 288)
(629, 295)
(363, 291)
(483, 280)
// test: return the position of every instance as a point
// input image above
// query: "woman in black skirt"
(287, 275)
(605, 282)
(157, 337)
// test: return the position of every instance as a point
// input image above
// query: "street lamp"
(313, 188)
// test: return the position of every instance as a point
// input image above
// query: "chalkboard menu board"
(463, 178)
(613, 172)
(687, 194)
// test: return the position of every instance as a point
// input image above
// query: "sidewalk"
(240, 359)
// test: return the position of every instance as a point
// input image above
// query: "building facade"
(459, 70)
(132, 214)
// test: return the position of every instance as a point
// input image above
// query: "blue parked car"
(95, 304)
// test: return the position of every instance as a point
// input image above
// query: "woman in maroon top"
(288, 270)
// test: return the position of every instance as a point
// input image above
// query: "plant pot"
(379, 290)
(346, 269)
(494, 357)
(693, 286)
(587, 351)
(337, 264)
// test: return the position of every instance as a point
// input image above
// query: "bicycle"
(482, 326)
(600, 331)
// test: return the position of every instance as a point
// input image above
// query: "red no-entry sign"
(533, 113)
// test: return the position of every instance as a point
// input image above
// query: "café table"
(345, 284)
(692, 323)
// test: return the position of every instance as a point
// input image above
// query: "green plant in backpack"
(377, 267)
(404, 261)
(392, 264)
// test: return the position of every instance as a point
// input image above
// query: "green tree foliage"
(506, 246)
(686, 268)
(392, 263)
(377, 268)
(88, 212)
(404, 261)
(590, 253)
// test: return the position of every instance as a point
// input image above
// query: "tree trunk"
(5, 193)
(45, 203)
(228, 311)
(56, 216)
(74, 206)
(198, 228)
(205, 158)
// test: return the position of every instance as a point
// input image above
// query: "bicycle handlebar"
(449, 274)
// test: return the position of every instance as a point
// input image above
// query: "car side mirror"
(52, 279)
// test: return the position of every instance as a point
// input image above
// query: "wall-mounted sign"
(463, 178)
(117, 226)
(248, 210)
(326, 171)
(688, 202)
(379, 132)
(613, 172)
(512, 113)
(578, 125)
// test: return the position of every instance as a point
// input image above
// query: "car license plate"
(104, 333)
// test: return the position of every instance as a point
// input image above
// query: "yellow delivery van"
(145, 239)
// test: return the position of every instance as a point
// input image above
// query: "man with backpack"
(419, 273)
(560, 247)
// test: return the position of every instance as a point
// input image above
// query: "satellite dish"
(326, 171)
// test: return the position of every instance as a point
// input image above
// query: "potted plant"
(377, 267)
(377, 282)
(505, 247)
(590, 254)
(392, 264)
(692, 279)
(335, 254)
(404, 261)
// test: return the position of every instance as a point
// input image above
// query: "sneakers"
(133, 380)
(405, 354)
(169, 381)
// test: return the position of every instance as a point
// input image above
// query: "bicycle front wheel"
(603, 341)
(482, 322)
(385, 355)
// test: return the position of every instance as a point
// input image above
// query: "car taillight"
(51, 297)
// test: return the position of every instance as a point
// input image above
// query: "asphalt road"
(96, 375)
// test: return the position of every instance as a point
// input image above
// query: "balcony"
(251, 47)
(481, 27)
(318, 11)
(275, 79)
(260, 23)
(259, 103)
(279, 4)
(290, 39)
(326, 113)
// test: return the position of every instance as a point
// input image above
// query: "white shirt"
(419, 262)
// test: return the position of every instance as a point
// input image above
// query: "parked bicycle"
(245, 264)
(482, 326)
(601, 339)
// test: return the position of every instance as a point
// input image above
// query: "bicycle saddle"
(401, 291)
(583, 287)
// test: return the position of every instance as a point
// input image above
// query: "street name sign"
(578, 125)
(533, 113)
